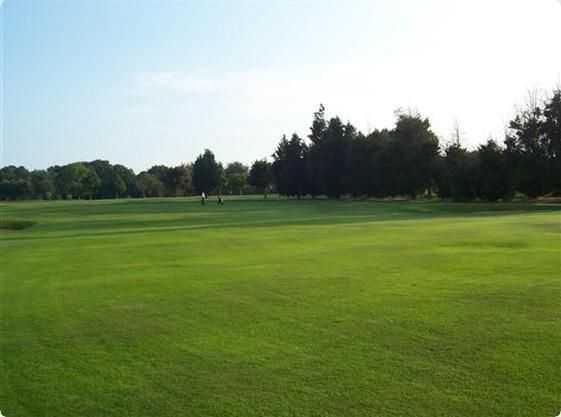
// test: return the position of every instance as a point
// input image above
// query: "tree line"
(100, 179)
(336, 160)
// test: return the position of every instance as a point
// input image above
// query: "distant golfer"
(220, 201)
(203, 198)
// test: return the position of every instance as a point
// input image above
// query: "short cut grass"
(280, 308)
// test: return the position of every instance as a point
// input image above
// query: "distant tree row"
(100, 179)
(408, 160)
(337, 160)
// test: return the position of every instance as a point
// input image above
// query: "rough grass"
(15, 224)
(280, 308)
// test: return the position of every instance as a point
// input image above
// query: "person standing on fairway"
(203, 198)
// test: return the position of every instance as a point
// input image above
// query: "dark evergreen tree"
(414, 153)
(527, 152)
(207, 173)
(289, 166)
(334, 151)
(551, 129)
(458, 176)
(494, 177)
(313, 158)
(261, 176)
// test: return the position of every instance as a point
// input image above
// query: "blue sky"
(145, 82)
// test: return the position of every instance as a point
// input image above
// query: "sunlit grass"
(280, 308)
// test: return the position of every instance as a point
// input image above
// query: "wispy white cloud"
(455, 71)
(173, 82)
(364, 93)
(245, 84)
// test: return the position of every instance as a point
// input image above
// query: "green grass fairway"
(280, 308)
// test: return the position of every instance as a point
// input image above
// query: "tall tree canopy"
(415, 151)
(261, 176)
(207, 173)
(235, 176)
(289, 169)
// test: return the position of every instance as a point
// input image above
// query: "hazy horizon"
(144, 83)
